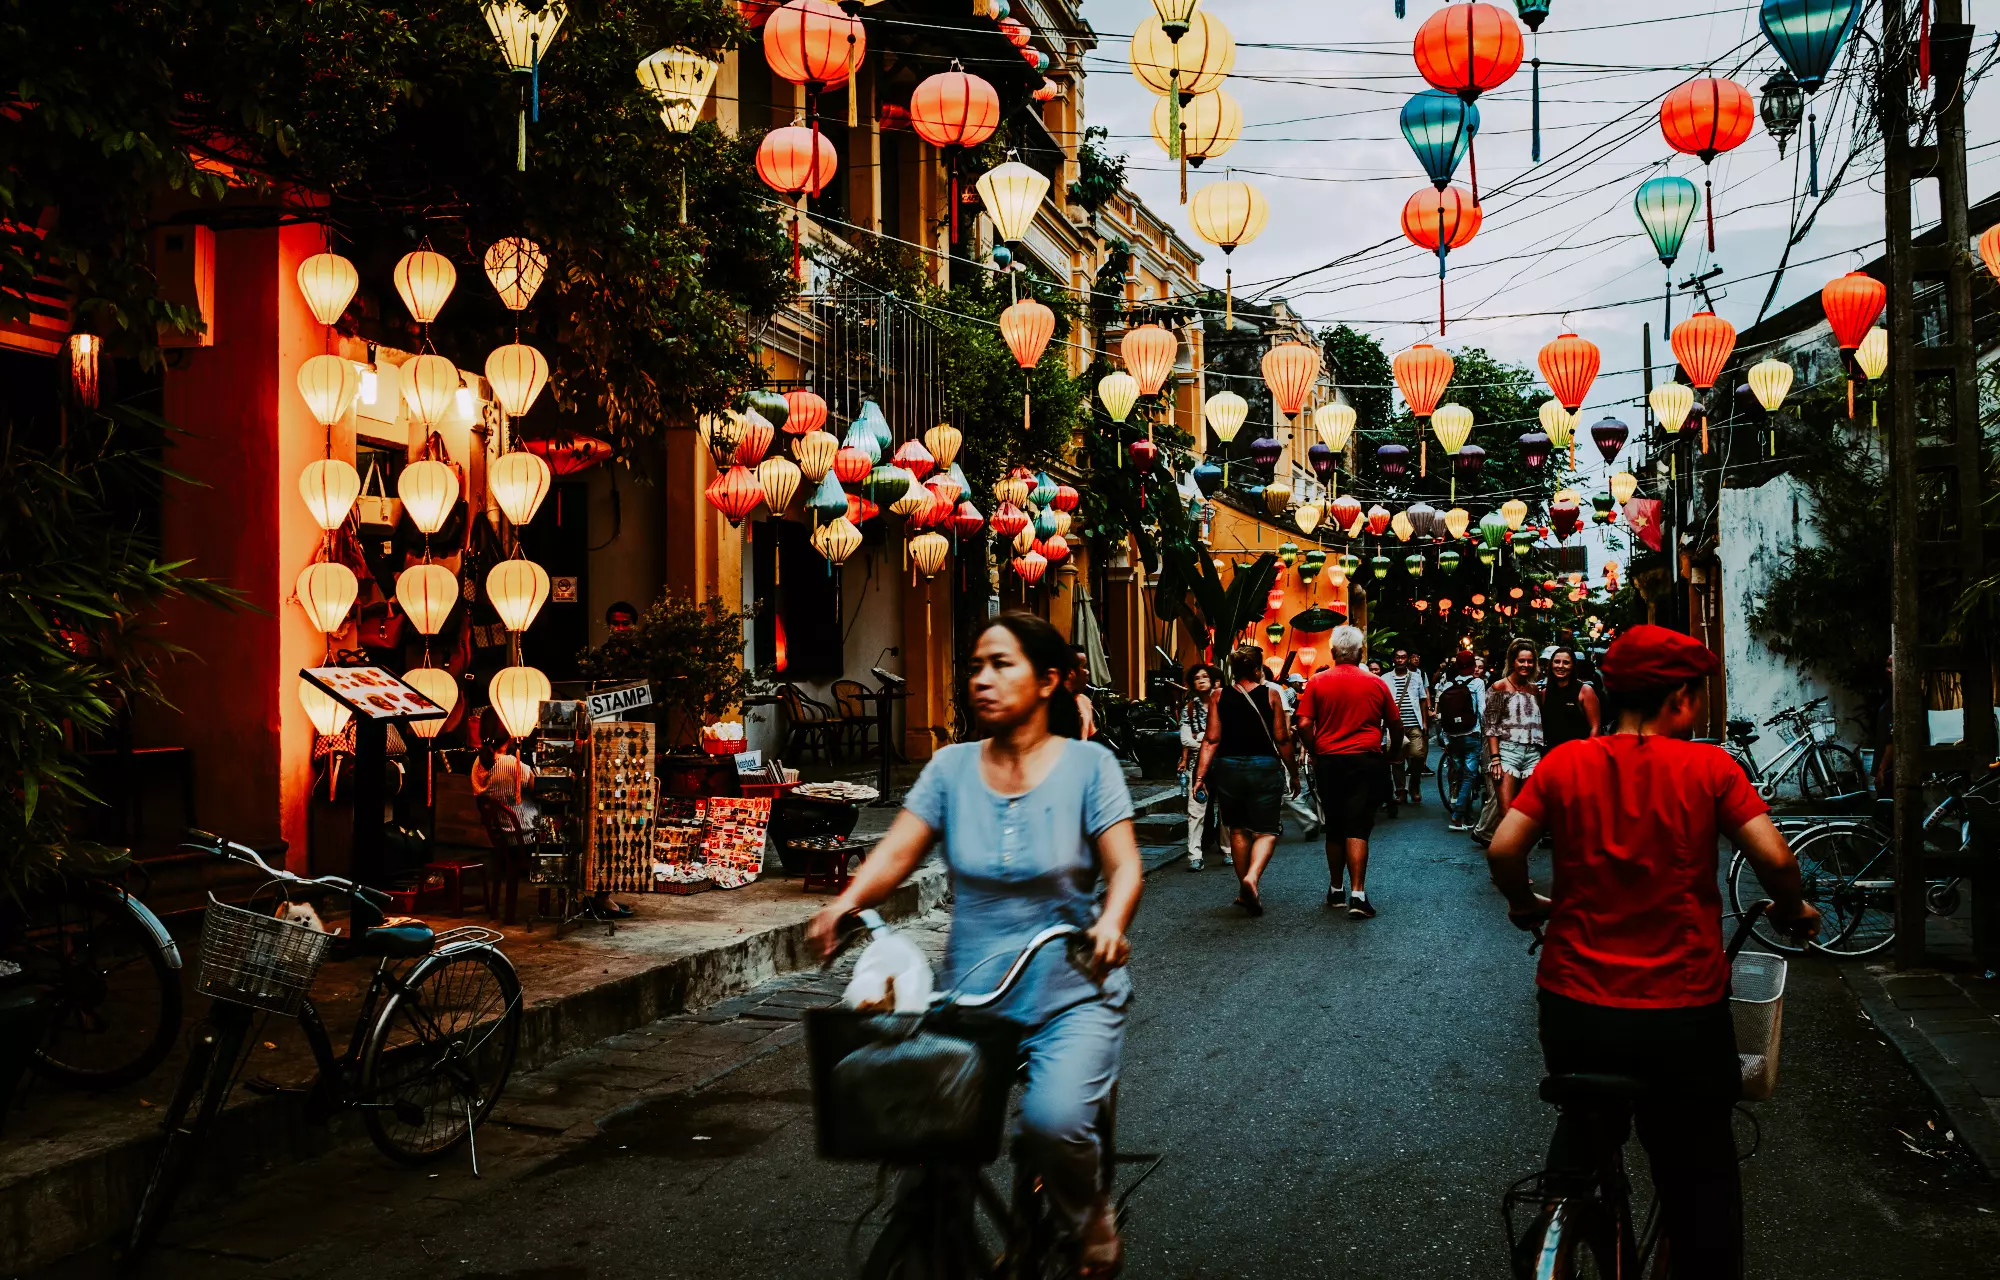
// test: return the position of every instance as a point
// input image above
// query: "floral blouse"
(1513, 715)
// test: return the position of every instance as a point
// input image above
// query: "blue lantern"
(1808, 34)
(1440, 128)
(1666, 207)
(1533, 13)
(1207, 478)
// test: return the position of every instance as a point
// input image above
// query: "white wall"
(1761, 528)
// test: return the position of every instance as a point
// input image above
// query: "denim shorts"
(1248, 792)
(1518, 759)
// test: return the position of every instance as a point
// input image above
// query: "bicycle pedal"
(267, 1087)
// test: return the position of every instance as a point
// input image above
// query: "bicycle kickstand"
(472, 1138)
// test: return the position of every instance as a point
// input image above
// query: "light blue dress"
(1018, 865)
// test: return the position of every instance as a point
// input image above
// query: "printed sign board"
(612, 703)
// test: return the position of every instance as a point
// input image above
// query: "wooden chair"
(810, 725)
(856, 717)
(511, 844)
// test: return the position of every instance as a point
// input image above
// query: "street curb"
(51, 1213)
(1965, 1110)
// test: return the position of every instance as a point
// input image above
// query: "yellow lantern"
(1012, 193)
(837, 540)
(814, 451)
(1770, 381)
(1228, 214)
(428, 489)
(1672, 403)
(779, 479)
(328, 384)
(1277, 495)
(518, 483)
(518, 590)
(326, 591)
(1873, 353)
(425, 278)
(1623, 486)
(1306, 517)
(681, 79)
(518, 693)
(914, 497)
(1335, 425)
(1196, 63)
(1119, 391)
(328, 282)
(721, 432)
(328, 717)
(515, 265)
(1402, 526)
(1062, 521)
(1452, 423)
(1210, 124)
(440, 687)
(1014, 489)
(1224, 413)
(927, 552)
(1558, 423)
(427, 592)
(1024, 541)
(430, 386)
(944, 442)
(524, 36)
(518, 373)
(1457, 521)
(329, 487)
(1515, 513)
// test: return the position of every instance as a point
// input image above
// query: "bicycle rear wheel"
(1745, 888)
(1577, 1244)
(441, 1052)
(115, 1002)
(1829, 770)
(1853, 868)
(198, 1099)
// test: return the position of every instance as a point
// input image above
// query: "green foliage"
(1100, 175)
(1362, 372)
(1107, 288)
(692, 654)
(1216, 614)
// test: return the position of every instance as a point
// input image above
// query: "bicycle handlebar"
(230, 850)
(1012, 977)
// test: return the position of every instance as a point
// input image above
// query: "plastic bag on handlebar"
(907, 1089)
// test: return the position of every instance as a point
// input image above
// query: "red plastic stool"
(446, 880)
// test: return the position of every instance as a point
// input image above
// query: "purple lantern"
(1264, 451)
(1425, 519)
(1470, 461)
(1321, 459)
(1609, 436)
(1394, 459)
(1535, 447)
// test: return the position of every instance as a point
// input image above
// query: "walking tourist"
(1633, 977)
(1569, 706)
(1347, 716)
(1203, 683)
(1302, 800)
(1030, 819)
(1244, 764)
(1078, 681)
(1513, 724)
(1461, 701)
(1412, 696)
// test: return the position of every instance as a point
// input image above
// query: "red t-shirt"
(1637, 920)
(1344, 709)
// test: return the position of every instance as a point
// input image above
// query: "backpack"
(1455, 711)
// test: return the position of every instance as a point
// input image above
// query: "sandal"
(1247, 898)
(1103, 1252)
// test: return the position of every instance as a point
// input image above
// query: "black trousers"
(1689, 1054)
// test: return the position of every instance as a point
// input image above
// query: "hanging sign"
(613, 703)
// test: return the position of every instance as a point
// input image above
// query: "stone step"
(1161, 829)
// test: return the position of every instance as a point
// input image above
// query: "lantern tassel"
(1812, 156)
(1924, 43)
(1423, 454)
(1399, 8)
(1535, 151)
(1174, 148)
(1708, 207)
(951, 208)
(684, 193)
(535, 75)
(521, 139)
(853, 70)
(1182, 148)
(798, 268)
(1472, 160)
(1228, 297)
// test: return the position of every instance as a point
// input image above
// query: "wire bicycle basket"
(262, 961)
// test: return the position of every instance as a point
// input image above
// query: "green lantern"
(1448, 561)
(1487, 555)
(1308, 571)
(1350, 564)
(1288, 553)
(1380, 565)
(1493, 531)
(1414, 563)
(1601, 504)
(1275, 633)
(885, 485)
(1523, 542)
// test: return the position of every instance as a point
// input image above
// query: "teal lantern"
(1044, 491)
(1288, 553)
(1414, 564)
(1448, 561)
(860, 436)
(1808, 34)
(1493, 531)
(878, 426)
(829, 500)
(1379, 565)
(1666, 207)
(1523, 542)
(1533, 13)
(1439, 127)
(1275, 633)
(1047, 524)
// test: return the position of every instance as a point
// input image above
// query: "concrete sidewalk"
(1947, 1027)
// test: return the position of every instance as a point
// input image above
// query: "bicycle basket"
(907, 1089)
(1757, 1007)
(1826, 730)
(262, 961)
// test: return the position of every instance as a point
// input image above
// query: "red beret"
(1648, 657)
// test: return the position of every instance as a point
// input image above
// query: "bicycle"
(1451, 774)
(1825, 769)
(430, 1052)
(1584, 1227)
(108, 971)
(934, 1228)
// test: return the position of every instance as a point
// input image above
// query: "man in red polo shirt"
(1633, 977)
(1342, 716)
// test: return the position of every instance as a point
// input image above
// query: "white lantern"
(427, 592)
(430, 387)
(428, 489)
(327, 590)
(516, 266)
(518, 373)
(1119, 391)
(1335, 424)
(524, 35)
(328, 282)
(518, 483)
(518, 590)
(440, 687)
(424, 279)
(328, 384)
(518, 693)
(1012, 193)
(779, 479)
(1224, 413)
(681, 79)
(329, 487)
(1770, 381)
(328, 717)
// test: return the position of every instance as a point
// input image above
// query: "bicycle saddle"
(401, 938)
(1743, 731)
(1593, 1090)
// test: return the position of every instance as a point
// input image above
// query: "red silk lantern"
(1149, 352)
(1705, 118)
(1017, 35)
(1468, 49)
(755, 441)
(1144, 451)
(914, 458)
(954, 109)
(1054, 549)
(756, 12)
(1853, 302)
(1008, 520)
(1290, 370)
(814, 43)
(808, 412)
(1570, 365)
(568, 455)
(860, 509)
(796, 160)
(1702, 344)
(850, 465)
(1027, 326)
(966, 521)
(1031, 567)
(1066, 498)
(735, 493)
(1274, 600)
(1441, 221)
(1345, 511)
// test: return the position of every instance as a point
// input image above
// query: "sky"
(1321, 86)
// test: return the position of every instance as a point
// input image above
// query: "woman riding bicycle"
(1030, 819)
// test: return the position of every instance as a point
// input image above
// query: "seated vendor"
(499, 774)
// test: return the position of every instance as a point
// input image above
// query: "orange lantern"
(953, 110)
(1989, 250)
(808, 412)
(850, 465)
(816, 44)
(1027, 326)
(1031, 567)
(755, 441)
(735, 493)
(1290, 370)
(799, 162)
(1852, 302)
(1702, 344)
(1706, 117)
(1378, 519)
(1345, 511)
(1570, 365)
(1422, 374)
(1441, 221)
(1468, 49)
(1149, 351)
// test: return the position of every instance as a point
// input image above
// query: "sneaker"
(1458, 826)
(1336, 897)
(1358, 906)
(1194, 864)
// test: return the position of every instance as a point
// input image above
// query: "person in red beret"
(1633, 980)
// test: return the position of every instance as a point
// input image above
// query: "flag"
(1643, 514)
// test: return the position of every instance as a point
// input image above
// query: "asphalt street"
(1332, 1097)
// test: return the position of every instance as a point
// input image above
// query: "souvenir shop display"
(562, 768)
(623, 796)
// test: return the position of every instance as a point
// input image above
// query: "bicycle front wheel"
(1852, 871)
(1745, 888)
(1830, 770)
(1577, 1244)
(441, 1052)
(115, 1002)
(197, 1101)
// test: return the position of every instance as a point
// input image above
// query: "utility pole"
(1927, 575)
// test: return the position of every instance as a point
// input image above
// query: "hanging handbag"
(375, 510)
(379, 625)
